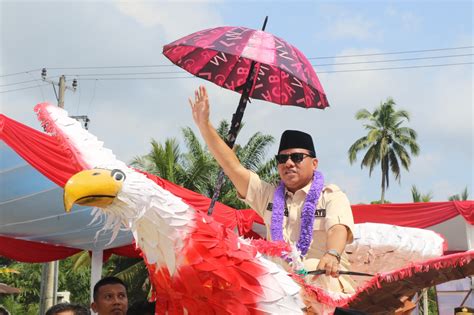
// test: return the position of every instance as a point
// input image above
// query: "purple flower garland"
(307, 214)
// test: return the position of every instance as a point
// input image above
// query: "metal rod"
(230, 139)
(234, 129)
(342, 272)
(465, 299)
(265, 23)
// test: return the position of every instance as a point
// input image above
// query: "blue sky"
(126, 114)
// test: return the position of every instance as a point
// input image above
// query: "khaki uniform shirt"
(333, 208)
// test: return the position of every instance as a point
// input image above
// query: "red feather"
(219, 274)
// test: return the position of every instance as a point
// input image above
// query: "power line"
(312, 58)
(127, 73)
(195, 77)
(394, 68)
(35, 80)
(93, 96)
(17, 73)
(392, 53)
(28, 87)
(18, 83)
(38, 85)
(111, 67)
(390, 60)
(119, 79)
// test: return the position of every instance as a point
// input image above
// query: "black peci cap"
(294, 139)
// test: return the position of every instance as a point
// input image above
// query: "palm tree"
(385, 142)
(464, 195)
(190, 170)
(198, 163)
(163, 161)
(418, 197)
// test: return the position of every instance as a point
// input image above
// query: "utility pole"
(61, 85)
(62, 89)
(49, 275)
(47, 286)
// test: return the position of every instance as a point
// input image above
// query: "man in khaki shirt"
(297, 164)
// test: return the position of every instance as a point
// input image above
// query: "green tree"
(10, 303)
(432, 302)
(419, 197)
(28, 281)
(460, 197)
(163, 160)
(76, 281)
(199, 164)
(386, 142)
(379, 202)
(190, 170)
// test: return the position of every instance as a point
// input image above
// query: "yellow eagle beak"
(96, 187)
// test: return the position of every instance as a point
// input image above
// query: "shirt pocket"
(319, 224)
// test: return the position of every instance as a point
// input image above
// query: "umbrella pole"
(232, 135)
(235, 125)
(230, 141)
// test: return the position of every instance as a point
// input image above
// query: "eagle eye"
(118, 175)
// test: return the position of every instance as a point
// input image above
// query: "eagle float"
(198, 266)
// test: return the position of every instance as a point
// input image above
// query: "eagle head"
(94, 187)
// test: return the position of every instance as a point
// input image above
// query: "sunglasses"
(295, 157)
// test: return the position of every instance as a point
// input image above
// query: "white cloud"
(176, 19)
(410, 21)
(451, 103)
(406, 19)
(349, 26)
(446, 188)
(350, 184)
(391, 11)
(425, 164)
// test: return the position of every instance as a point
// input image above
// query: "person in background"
(110, 297)
(67, 309)
(3, 311)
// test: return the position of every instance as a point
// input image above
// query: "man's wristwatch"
(334, 253)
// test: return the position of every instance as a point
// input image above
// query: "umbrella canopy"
(254, 63)
(6, 289)
(224, 55)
